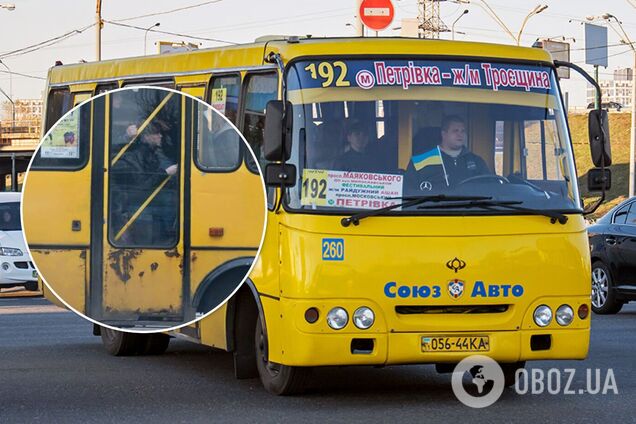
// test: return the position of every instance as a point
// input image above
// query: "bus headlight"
(564, 315)
(337, 318)
(543, 315)
(363, 318)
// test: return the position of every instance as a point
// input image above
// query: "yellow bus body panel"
(212, 329)
(46, 225)
(68, 269)
(550, 262)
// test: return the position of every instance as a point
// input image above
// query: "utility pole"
(98, 30)
(10, 96)
(428, 19)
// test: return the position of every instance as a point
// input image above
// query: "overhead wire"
(194, 37)
(167, 11)
(45, 43)
(21, 74)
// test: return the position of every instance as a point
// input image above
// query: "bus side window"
(66, 144)
(58, 103)
(103, 88)
(261, 88)
(217, 143)
(143, 185)
(224, 95)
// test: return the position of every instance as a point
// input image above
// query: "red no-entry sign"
(376, 14)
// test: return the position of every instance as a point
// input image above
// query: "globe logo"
(478, 381)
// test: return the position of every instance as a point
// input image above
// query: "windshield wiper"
(407, 201)
(555, 216)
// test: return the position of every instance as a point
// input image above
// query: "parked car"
(613, 250)
(16, 267)
(607, 105)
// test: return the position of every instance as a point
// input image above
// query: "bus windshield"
(368, 133)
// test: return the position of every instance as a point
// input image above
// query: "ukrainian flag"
(432, 157)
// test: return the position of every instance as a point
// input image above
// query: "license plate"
(455, 344)
(35, 274)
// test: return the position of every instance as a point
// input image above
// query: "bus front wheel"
(276, 378)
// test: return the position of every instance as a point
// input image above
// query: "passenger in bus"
(325, 145)
(141, 171)
(362, 155)
(449, 163)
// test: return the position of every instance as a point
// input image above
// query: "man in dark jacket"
(457, 162)
(363, 154)
(144, 173)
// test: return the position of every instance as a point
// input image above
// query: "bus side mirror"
(598, 129)
(599, 179)
(277, 174)
(278, 134)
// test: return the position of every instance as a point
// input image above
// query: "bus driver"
(449, 163)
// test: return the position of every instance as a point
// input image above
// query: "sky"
(34, 21)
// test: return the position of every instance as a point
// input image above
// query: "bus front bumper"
(303, 344)
(406, 348)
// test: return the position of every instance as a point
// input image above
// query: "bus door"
(141, 263)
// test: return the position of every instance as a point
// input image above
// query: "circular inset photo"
(139, 209)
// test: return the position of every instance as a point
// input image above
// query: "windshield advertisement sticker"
(362, 190)
(368, 74)
(63, 140)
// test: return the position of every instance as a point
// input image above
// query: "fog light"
(543, 315)
(583, 311)
(311, 315)
(337, 318)
(363, 318)
(5, 266)
(564, 315)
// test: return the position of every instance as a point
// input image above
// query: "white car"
(16, 267)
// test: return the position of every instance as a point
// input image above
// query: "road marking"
(31, 309)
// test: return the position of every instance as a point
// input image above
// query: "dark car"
(607, 105)
(613, 251)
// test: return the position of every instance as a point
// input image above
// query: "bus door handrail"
(143, 206)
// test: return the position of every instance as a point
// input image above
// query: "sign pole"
(597, 99)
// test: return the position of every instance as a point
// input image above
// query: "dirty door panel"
(142, 242)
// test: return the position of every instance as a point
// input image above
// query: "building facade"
(617, 90)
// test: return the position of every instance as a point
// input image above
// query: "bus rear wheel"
(277, 378)
(121, 343)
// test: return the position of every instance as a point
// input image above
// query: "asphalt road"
(53, 370)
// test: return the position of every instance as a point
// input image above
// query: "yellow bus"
(422, 195)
